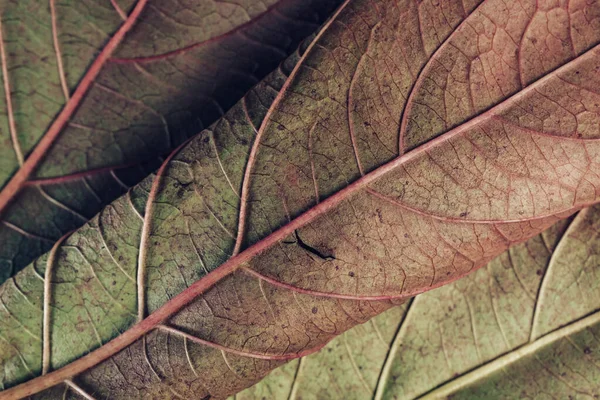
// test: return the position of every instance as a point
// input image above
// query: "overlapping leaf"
(506, 331)
(93, 88)
(285, 225)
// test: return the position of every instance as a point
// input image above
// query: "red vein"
(59, 61)
(312, 162)
(46, 142)
(350, 99)
(265, 122)
(203, 43)
(9, 108)
(402, 295)
(520, 67)
(281, 357)
(460, 220)
(238, 261)
(311, 292)
(420, 78)
(78, 175)
(119, 10)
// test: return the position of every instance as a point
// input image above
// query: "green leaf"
(91, 90)
(323, 198)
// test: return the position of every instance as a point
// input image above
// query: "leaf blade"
(91, 124)
(416, 365)
(322, 238)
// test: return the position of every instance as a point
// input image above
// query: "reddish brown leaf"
(338, 220)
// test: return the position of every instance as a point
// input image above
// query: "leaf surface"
(506, 331)
(307, 210)
(93, 89)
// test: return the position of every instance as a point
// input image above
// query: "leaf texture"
(320, 200)
(93, 89)
(506, 331)
(347, 368)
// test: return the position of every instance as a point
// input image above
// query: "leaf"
(506, 331)
(318, 247)
(92, 89)
(347, 368)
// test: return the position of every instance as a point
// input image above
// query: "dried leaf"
(349, 201)
(506, 331)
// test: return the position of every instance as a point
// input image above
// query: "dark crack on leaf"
(310, 249)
